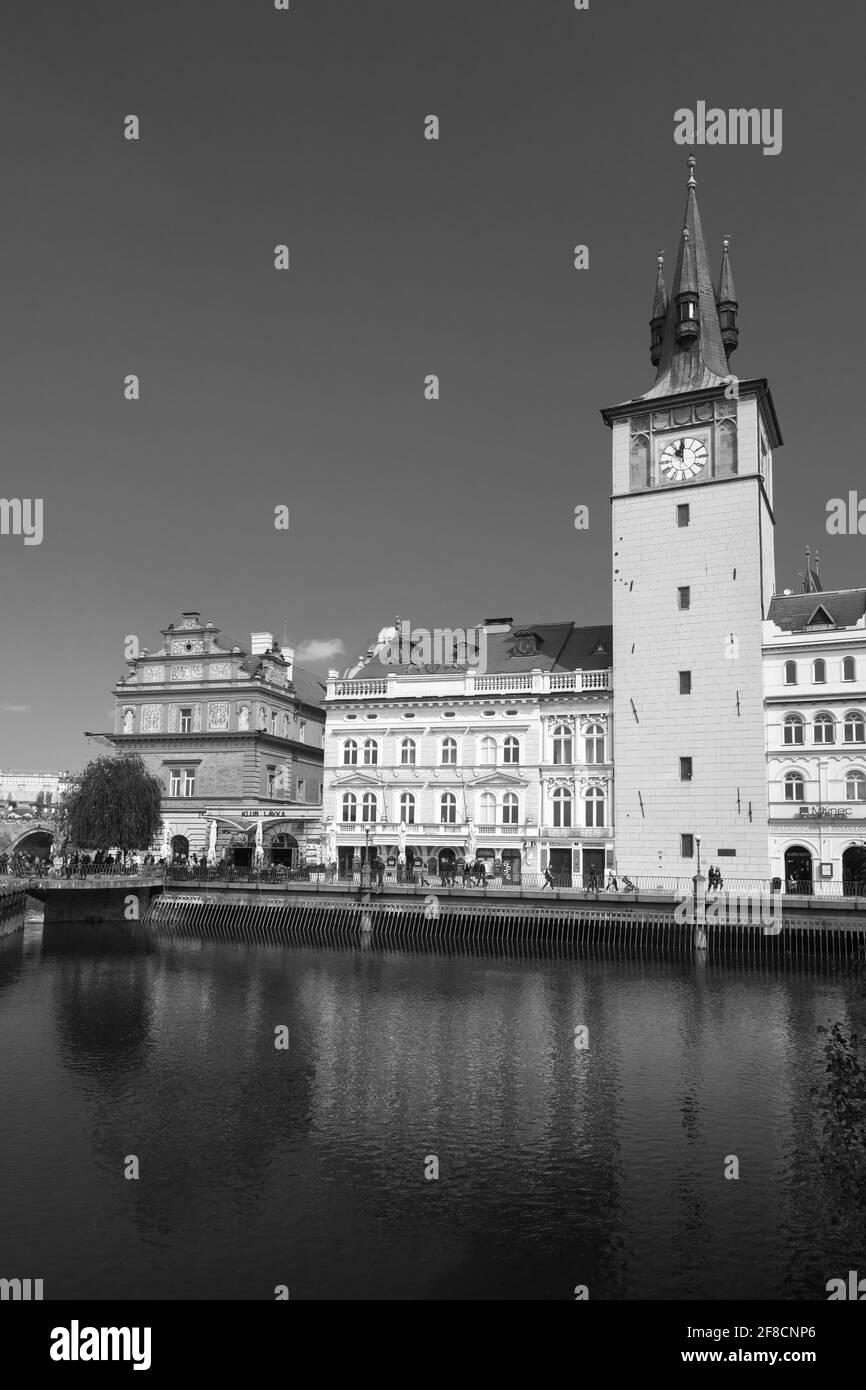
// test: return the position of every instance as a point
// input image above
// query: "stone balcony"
(423, 684)
(460, 830)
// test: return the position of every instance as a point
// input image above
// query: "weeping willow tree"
(115, 801)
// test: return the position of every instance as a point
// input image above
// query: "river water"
(311, 1166)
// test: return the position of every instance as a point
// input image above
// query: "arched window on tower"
(640, 462)
(726, 453)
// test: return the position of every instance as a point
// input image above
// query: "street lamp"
(698, 843)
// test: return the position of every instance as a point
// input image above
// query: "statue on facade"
(243, 718)
(128, 721)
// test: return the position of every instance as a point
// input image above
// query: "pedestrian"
(548, 879)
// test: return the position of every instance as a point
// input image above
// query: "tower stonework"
(693, 576)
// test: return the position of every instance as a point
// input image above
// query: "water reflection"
(558, 1165)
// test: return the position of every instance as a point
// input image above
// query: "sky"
(304, 388)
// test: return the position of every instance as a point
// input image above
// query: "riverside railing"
(319, 879)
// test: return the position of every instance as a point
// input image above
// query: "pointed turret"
(692, 355)
(727, 303)
(660, 309)
(811, 580)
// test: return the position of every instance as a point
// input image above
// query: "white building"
(693, 579)
(514, 761)
(24, 785)
(815, 687)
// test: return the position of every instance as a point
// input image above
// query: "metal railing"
(319, 878)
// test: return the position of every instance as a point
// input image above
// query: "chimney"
(261, 642)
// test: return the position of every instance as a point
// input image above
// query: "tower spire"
(726, 300)
(691, 353)
(660, 309)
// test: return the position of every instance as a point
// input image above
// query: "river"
(312, 1166)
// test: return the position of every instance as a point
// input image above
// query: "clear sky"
(306, 388)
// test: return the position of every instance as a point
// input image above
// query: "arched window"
(855, 786)
(448, 808)
(448, 754)
(350, 807)
(371, 752)
(487, 750)
(795, 785)
(825, 728)
(855, 727)
(487, 809)
(640, 462)
(350, 753)
(595, 744)
(792, 729)
(563, 747)
(726, 455)
(562, 805)
(511, 750)
(594, 802)
(368, 807)
(849, 668)
(407, 808)
(819, 671)
(790, 673)
(407, 752)
(510, 808)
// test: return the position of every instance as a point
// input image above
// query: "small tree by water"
(115, 801)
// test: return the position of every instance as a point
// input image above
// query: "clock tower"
(693, 575)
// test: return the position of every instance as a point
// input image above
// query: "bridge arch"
(35, 838)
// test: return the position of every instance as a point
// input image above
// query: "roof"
(308, 686)
(559, 647)
(802, 612)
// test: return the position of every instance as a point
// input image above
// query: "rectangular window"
(174, 789)
(687, 846)
(685, 769)
(186, 721)
(684, 597)
(302, 795)
(683, 514)
(272, 782)
(685, 682)
(302, 730)
(188, 782)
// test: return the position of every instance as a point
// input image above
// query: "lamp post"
(698, 843)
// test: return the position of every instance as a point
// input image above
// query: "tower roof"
(727, 294)
(660, 300)
(702, 363)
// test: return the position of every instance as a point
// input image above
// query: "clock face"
(683, 458)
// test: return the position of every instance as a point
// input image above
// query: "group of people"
(714, 878)
(430, 871)
(592, 882)
(76, 863)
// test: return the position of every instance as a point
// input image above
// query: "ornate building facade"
(513, 764)
(815, 686)
(234, 736)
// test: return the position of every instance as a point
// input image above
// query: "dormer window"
(526, 644)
